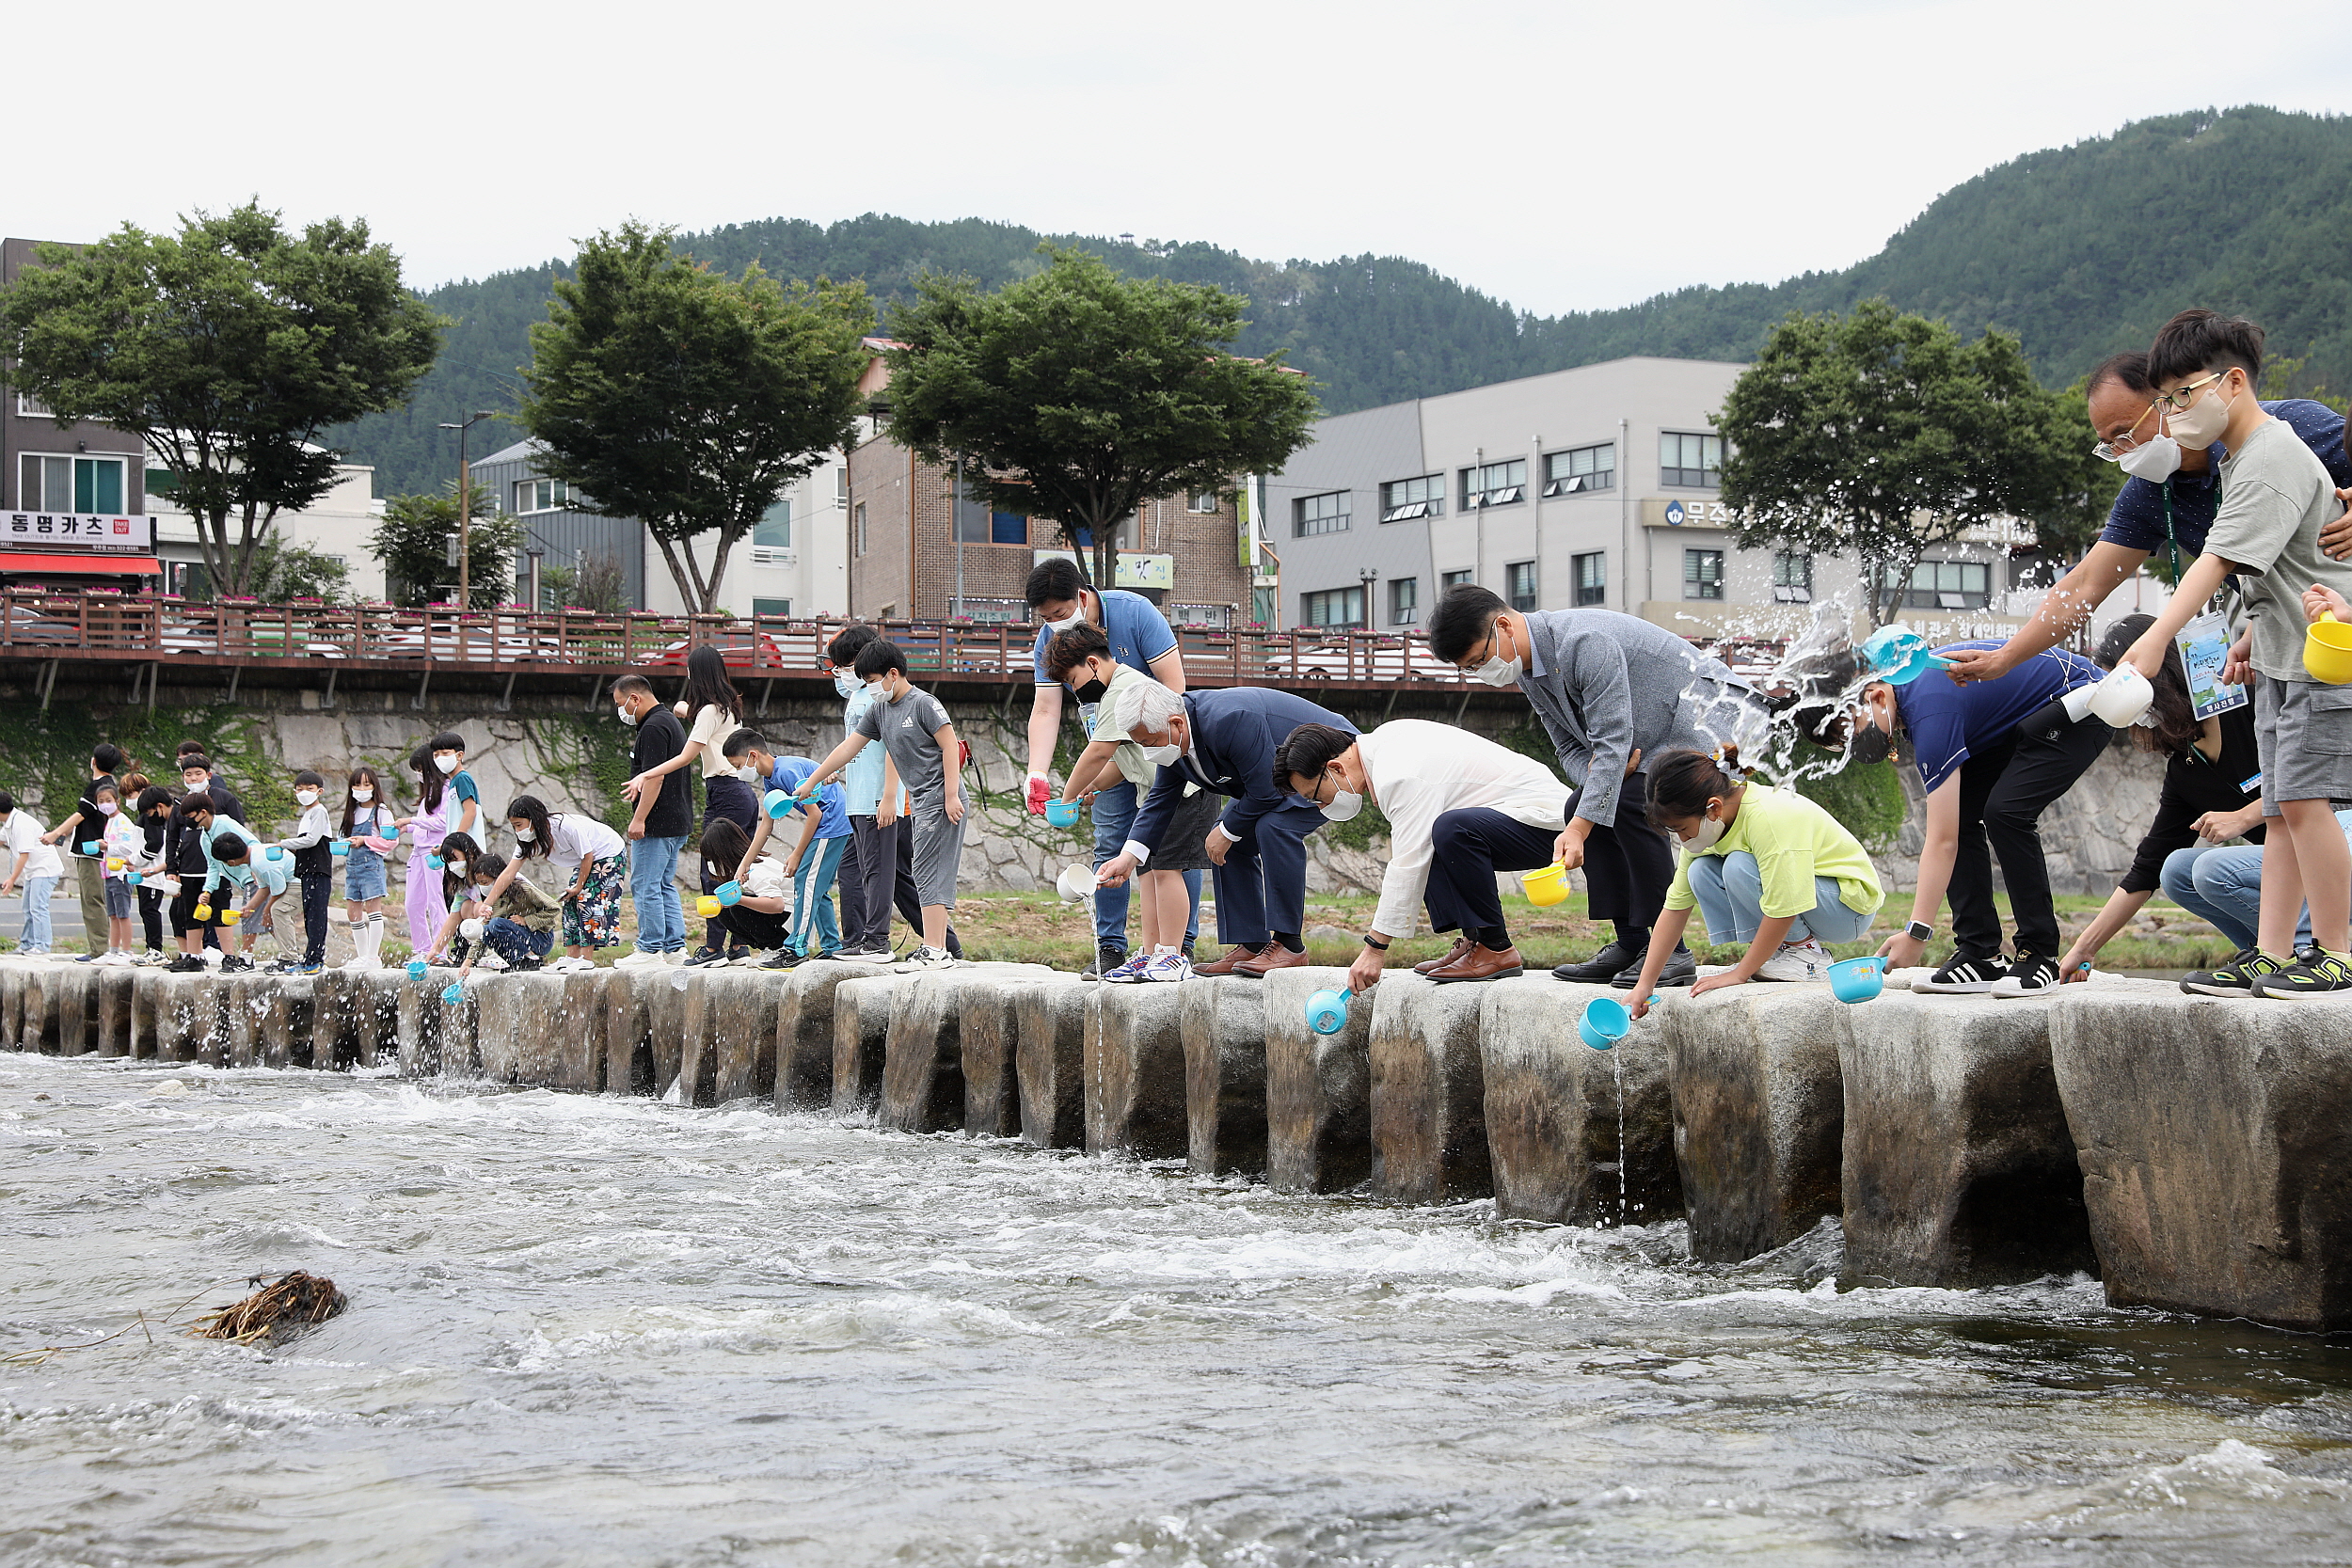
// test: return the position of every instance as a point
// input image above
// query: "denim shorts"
(119, 904)
(363, 875)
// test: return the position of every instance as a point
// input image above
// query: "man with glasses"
(1611, 691)
(2166, 506)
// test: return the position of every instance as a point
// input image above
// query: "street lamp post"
(464, 515)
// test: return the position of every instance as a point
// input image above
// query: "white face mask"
(447, 761)
(625, 715)
(525, 835)
(363, 795)
(307, 797)
(457, 868)
(2155, 460)
(1160, 756)
(747, 773)
(108, 807)
(881, 690)
(846, 683)
(2200, 424)
(1710, 830)
(1498, 670)
(1078, 616)
(1345, 804)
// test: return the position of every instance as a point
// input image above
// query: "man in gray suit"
(1611, 691)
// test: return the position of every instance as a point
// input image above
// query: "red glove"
(1040, 789)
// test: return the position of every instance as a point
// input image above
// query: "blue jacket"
(1234, 733)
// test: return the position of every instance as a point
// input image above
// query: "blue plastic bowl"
(778, 802)
(339, 847)
(1857, 979)
(415, 969)
(1326, 1011)
(453, 993)
(1604, 1023)
(134, 878)
(432, 861)
(729, 894)
(277, 851)
(1062, 814)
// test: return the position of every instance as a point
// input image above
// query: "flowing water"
(588, 1330)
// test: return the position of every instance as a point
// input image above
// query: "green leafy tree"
(593, 582)
(688, 400)
(1883, 433)
(228, 348)
(415, 538)
(1076, 395)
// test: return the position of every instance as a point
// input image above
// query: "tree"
(417, 539)
(1076, 395)
(688, 400)
(1884, 433)
(226, 348)
(593, 582)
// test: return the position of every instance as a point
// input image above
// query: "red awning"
(83, 566)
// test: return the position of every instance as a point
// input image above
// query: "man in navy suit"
(1225, 740)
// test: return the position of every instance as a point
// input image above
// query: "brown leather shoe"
(1430, 966)
(1274, 955)
(1480, 963)
(1225, 962)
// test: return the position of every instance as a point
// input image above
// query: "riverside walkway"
(2194, 1153)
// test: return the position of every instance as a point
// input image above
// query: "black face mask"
(1870, 744)
(1093, 692)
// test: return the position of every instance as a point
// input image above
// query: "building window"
(1947, 585)
(1457, 579)
(1324, 513)
(1697, 461)
(860, 516)
(1335, 606)
(83, 484)
(1792, 576)
(1702, 573)
(1494, 483)
(1008, 528)
(841, 486)
(542, 495)
(771, 606)
(774, 530)
(1405, 499)
(161, 481)
(1591, 579)
(1521, 577)
(32, 407)
(1404, 601)
(1571, 473)
(1200, 500)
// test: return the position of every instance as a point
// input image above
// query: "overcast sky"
(1563, 157)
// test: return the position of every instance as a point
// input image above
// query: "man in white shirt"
(1460, 808)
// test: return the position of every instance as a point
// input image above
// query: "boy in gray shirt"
(914, 727)
(2275, 499)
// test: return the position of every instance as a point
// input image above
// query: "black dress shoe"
(1605, 965)
(1682, 969)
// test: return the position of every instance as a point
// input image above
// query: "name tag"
(2252, 786)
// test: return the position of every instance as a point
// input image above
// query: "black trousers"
(877, 873)
(317, 894)
(1627, 866)
(2003, 792)
(152, 917)
(1470, 846)
(754, 928)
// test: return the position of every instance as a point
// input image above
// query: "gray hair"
(1145, 705)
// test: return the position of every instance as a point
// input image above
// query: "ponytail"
(1682, 782)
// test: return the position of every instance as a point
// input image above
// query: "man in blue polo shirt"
(2166, 506)
(1141, 639)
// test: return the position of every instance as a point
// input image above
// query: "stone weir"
(2196, 1154)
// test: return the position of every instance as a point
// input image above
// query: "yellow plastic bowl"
(113, 862)
(203, 911)
(2327, 650)
(1545, 885)
(230, 917)
(706, 907)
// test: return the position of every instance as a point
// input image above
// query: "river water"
(587, 1330)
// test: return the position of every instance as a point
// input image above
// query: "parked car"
(1356, 659)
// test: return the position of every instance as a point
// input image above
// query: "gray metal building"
(563, 532)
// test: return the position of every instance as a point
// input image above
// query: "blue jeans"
(653, 888)
(515, 942)
(1114, 815)
(813, 929)
(1730, 893)
(37, 892)
(2223, 885)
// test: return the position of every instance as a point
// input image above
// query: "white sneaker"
(1167, 967)
(754, 958)
(639, 959)
(491, 961)
(922, 959)
(1797, 960)
(360, 962)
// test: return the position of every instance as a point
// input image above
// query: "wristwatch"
(1918, 930)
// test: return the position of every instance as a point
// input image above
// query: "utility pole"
(464, 515)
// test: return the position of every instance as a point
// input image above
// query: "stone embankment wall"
(1954, 1141)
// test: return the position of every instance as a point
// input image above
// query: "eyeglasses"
(2114, 449)
(2180, 398)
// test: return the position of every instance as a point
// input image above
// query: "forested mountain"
(2081, 250)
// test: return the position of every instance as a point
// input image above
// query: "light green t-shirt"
(1133, 765)
(2276, 497)
(1793, 841)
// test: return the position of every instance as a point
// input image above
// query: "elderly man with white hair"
(1224, 741)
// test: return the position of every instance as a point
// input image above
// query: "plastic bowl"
(2124, 698)
(453, 993)
(1075, 882)
(134, 878)
(339, 847)
(1326, 1011)
(1604, 1023)
(1899, 656)
(1545, 885)
(1062, 814)
(113, 862)
(277, 852)
(706, 907)
(230, 917)
(432, 861)
(1857, 979)
(729, 894)
(778, 803)
(2327, 650)
(202, 912)
(415, 969)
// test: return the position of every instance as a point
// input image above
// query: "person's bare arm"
(2198, 584)
(2066, 606)
(1937, 856)
(811, 816)
(2113, 916)
(1168, 670)
(16, 873)
(829, 769)
(1086, 775)
(886, 804)
(693, 749)
(1045, 729)
(944, 737)
(1664, 938)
